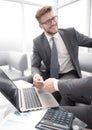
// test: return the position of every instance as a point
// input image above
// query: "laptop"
(22, 94)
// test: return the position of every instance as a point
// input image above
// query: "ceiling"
(56, 3)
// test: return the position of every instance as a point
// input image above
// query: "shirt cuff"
(56, 84)
(35, 75)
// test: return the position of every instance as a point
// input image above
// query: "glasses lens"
(49, 21)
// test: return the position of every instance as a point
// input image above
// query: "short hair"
(42, 12)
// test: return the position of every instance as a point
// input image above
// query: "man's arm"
(82, 40)
(35, 61)
(76, 87)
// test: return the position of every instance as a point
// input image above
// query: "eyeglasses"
(49, 21)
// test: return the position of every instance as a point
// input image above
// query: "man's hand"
(38, 81)
(49, 85)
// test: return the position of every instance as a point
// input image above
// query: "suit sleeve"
(78, 87)
(35, 60)
(83, 40)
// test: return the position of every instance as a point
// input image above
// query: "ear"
(40, 26)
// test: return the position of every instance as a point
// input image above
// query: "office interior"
(18, 27)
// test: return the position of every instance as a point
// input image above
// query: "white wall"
(18, 25)
(10, 26)
(76, 15)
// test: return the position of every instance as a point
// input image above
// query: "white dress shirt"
(63, 55)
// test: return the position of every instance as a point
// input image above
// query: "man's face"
(48, 22)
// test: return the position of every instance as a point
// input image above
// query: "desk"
(13, 120)
(23, 121)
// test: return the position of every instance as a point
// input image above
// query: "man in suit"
(74, 88)
(67, 42)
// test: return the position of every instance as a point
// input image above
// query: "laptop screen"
(8, 89)
(17, 96)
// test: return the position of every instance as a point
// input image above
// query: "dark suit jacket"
(72, 39)
(76, 87)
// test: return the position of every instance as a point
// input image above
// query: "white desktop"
(12, 119)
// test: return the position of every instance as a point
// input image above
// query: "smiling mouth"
(53, 26)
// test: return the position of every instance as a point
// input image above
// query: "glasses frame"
(49, 21)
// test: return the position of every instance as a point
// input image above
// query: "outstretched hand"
(38, 81)
(49, 85)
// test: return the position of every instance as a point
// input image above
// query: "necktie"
(54, 68)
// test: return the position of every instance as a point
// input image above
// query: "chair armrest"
(18, 60)
(4, 58)
(85, 60)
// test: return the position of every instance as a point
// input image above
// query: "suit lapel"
(67, 42)
(46, 48)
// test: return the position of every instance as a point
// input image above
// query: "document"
(23, 121)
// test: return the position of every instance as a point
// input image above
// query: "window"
(75, 15)
(18, 25)
(10, 26)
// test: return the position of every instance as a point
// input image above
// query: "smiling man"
(66, 43)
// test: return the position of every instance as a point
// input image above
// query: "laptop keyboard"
(31, 98)
(55, 119)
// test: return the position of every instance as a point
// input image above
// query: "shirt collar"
(57, 35)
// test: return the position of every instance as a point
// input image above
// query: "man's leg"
(57, 96)
(29, 79)
(71, 100)
(66, 100)
(84, 113)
